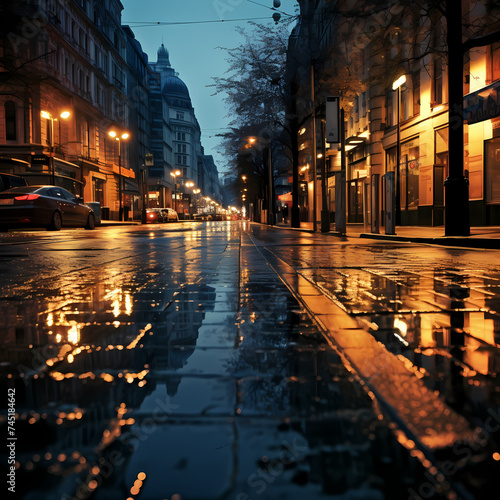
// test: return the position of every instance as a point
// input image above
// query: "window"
(390, 108)
(10, 121)
(409, 169)
(438, 82)
(492, 170)
(181, 159)
(415, 77)
(494, 63)
(179, 115)
(181, 136)
(98, 188)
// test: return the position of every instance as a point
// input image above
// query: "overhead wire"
(144, 24)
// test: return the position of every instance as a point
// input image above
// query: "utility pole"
(456, 186)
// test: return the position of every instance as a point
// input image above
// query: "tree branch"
(481, 41)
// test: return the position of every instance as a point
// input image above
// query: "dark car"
(48, 206)
(8, 181)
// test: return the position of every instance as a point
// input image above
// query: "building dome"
(163, 54)
(175, 87)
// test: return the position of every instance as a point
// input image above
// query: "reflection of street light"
(45, 114)
(175, 174)
(123, 137)
(397, 86)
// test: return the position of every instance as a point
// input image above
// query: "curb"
(453, 241)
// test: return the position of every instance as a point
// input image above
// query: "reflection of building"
(18, 324)
(176, 328)
(76, 409)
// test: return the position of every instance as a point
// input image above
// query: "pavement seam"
(351, 344)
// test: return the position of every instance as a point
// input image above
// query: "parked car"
(169, 214)
(49, 206)
(8, 181)
(155, 215)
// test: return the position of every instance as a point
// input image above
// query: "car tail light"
(27, 197)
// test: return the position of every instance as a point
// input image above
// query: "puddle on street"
(198, 376)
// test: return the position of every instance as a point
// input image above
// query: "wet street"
(229, 360)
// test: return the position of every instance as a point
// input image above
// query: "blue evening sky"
(192, 47)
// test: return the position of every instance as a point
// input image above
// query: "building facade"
(181, 168)
(70, 75)
(389, 68)
(66, 56)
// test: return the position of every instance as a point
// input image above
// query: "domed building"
(176, 137)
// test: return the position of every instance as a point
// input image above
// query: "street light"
(45, 114)
(266, 165)
(196, 192)
(175, 174)
(397, 86)
(189, 185)
(122, 137)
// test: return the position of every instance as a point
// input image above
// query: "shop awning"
(285, 198)
(130, 186)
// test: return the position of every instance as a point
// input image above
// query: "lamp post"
(267, 166)
(119, 138)
(189, 185)
(175, 174)
(45, 114)
(196, 192)
(397, 86)
(270, 213)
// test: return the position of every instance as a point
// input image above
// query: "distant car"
(202, 217)
(8, 181)
(48, 206)
(156, 215)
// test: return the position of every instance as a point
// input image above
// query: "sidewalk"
(480, 237)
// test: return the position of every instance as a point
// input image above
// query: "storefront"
(482, 166)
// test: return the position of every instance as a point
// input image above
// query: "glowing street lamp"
(119, 137)
(175, 174)
(397, 86)
(45, 114)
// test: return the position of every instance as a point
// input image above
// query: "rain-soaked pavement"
(227, 360)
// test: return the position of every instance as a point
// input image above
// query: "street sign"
(332, 128)
(39, 160)
(149, 160)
